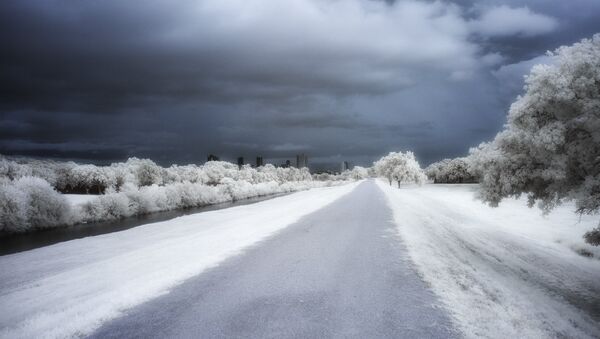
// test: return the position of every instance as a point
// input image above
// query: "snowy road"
(339, 272)
(329, 262)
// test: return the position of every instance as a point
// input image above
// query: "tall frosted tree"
(400, 167)
(550, 147)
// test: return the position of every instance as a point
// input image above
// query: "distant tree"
(217, 170)
(550, 148)
(358, 173)
(91, 179)
(146, 171)
(451, 171)
(433, 170)
(400, 167)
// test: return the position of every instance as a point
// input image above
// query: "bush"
(31, 203)
(136, 187)
(451, 171)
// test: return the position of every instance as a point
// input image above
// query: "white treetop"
(400, 167)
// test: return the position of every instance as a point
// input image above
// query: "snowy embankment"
(31, 190)
(502, 272)
(69, 289)
(29, 203)
(149, 199)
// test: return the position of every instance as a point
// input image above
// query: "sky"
(338, 80)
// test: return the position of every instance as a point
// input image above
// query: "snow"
(71, 288)
(501, 272)
(79, 199)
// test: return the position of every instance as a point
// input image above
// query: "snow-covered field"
(502, 272)
(70, 288)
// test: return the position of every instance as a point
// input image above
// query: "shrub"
(31, 203)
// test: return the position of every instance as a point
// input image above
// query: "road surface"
(340, 272)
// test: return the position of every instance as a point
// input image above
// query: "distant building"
(301, 160)
(287, 163)
(344, 166)
(240, 161)
(212, 157)
(259, 161)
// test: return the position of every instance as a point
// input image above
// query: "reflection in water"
(27, 241)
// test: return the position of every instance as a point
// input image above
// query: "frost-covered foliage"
(331, 176)
(89, 179)
(550, 148)
(69, 177)
(358, 173)
(55, 173)
(147, 199)
(145, 171)
(31, 203)
(451, 171)
(135, 187)
(400, 167)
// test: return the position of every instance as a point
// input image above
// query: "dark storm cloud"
(574, 19)
(338, 80)
(91, 57)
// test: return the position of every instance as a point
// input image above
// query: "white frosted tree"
(550, 148)
(451, 171)
(433, 170)
(400, 167)
(146, 171)
(359, 173)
